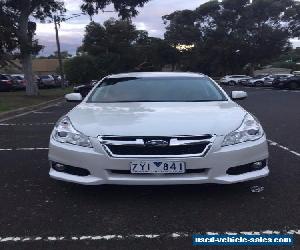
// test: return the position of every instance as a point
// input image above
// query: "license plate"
(157, 167)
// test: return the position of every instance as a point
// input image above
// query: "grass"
(14, 100)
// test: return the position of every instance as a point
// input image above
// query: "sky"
(149, 18)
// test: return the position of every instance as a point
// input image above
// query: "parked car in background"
(19, 83)
(57, 80)
(291, 82)
(46, 81)
(6, 83)
(85, 88)
(233, 79)
(270, 79)
(296, 72)
(258, 80)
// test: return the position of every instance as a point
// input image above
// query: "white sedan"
(233, 80)
(158, 129)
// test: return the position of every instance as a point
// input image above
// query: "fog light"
(58, 167)
(258, 165)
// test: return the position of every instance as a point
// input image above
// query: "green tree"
(181, 28)
(82, 69)
(290, 59)
(20, 18)
(230, 34)
(8, 44)
(114, 36)
(118, 46)
(114, 41)
(125, 8)
(157, 52)
(19, 23)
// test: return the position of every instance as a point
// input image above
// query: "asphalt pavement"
(37, 212)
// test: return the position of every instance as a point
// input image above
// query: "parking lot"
(38, 212)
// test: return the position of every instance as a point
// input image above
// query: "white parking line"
(175, 235)
(31, 149)
(26, 124)
(41, 112)
(275, 144)
(22, 149)
(32, 111)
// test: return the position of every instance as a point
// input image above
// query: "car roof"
(156, 74)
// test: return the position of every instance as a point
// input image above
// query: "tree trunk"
(25, 41)
(61, 69)
(251, 69)
(31, 86)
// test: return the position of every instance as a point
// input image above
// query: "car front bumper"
(103, 168)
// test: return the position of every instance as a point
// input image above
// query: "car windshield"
(173, 89)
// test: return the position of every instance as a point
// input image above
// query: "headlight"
(250, 130)
(64, 132)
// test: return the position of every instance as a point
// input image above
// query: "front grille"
(176, 150)
(152, 146)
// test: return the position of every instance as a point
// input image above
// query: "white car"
(233, 79)
(46, 81)
(158, 129)
(258, 81)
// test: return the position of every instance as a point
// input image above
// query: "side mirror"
(238, 95)
(73, 97)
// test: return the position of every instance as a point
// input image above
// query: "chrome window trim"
(140, 143)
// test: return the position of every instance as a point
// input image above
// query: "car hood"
(157, 119)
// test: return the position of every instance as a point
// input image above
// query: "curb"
(22, 111)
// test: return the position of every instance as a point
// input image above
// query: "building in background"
(39, 67)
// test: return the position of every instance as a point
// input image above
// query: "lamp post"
(57, 21)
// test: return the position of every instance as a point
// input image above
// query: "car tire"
(293, 85)
(231, 83)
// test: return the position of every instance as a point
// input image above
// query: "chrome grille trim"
(176, 142)
(139, 142)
